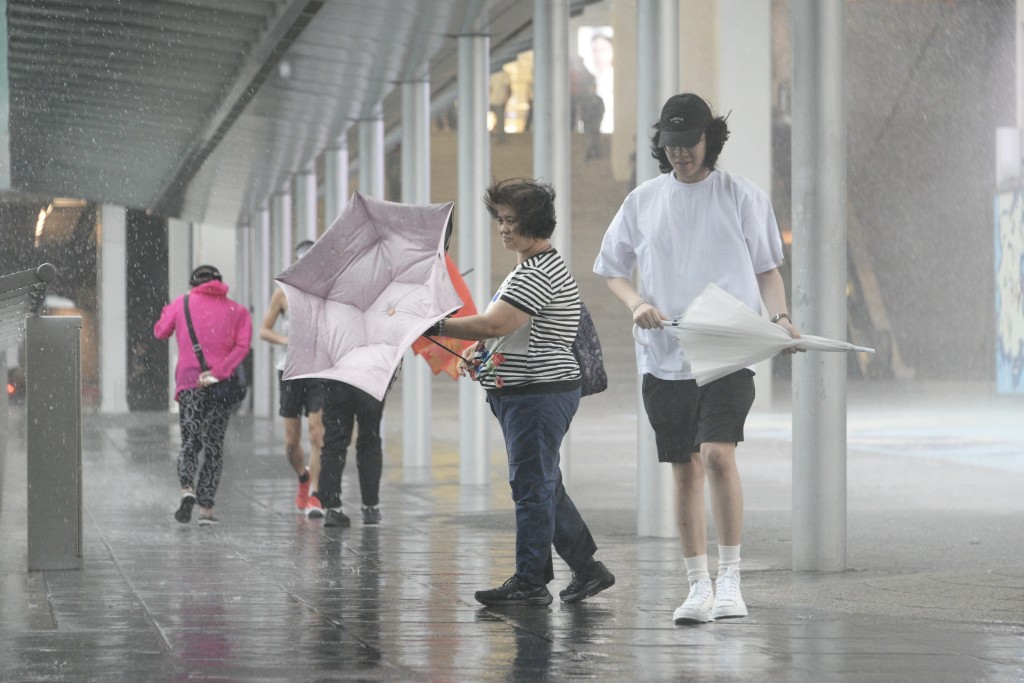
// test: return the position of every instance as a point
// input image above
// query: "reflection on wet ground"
(269, 595)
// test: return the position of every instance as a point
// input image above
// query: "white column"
(819, 283)
(113, 306)
(282, 244)
(657, 80)
(335, 182)
(552, 144)
(5, 103)
(304, 191)
(745, 92)
(179, 267)
(283, 232)
(473, 227)
(371, 156)
(416, 374)
(264, 375)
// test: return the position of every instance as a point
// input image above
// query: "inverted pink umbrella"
(366, 290)
(720, 334)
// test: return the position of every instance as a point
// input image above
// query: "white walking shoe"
(696, 609)
(728, 598)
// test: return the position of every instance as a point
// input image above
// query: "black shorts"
(300, 396)
(684, 415)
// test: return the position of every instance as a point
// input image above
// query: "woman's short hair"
(691, 108)
(532, 201)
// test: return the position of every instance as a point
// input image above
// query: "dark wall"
(17, 221)
(146, 254)
(928, 84)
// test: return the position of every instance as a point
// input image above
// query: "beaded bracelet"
(637, 305)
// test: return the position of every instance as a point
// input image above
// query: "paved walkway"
(935, 589)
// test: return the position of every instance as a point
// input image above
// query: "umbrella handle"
(643, 342)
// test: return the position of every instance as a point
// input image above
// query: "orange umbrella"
(443, 353)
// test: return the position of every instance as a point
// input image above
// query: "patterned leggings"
(203, 426)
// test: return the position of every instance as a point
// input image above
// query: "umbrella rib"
(434, 341)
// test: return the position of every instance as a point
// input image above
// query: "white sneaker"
(728, 598)
(696, 609)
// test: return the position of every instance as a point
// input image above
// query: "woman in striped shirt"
(523, 358)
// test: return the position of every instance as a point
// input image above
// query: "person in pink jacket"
(224, 329)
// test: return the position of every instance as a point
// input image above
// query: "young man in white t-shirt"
(678, 232)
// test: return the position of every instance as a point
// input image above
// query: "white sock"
(696, 568)
(728, 556)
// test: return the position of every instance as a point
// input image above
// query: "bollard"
(54, 454)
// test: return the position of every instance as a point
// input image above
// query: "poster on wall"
(1009, 212)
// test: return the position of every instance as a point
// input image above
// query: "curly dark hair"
(532, 200)
(715, 135)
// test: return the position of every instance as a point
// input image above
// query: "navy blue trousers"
(534, 425)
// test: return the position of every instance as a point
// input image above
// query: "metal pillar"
(657, 23)
(819, 283)
(335, 182)
(552, 143)
(5, 103)
(416, 190)
(264, 376)
(283, 230)
(371, 156)
(745, 93)
(304, 191)
(473, 226)
(112, 277)
(179, 267)
(54, 448)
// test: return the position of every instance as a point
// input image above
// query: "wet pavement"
(934, 590)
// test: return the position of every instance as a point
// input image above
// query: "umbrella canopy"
(433, 350)
(720, 334)
(366, 290)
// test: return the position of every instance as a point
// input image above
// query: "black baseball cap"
(683, 120)
(203, 274)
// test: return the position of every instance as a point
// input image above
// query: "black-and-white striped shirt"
(538, 356)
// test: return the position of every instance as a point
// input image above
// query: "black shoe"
(588, 582)
(335, 517)
(184, 511)
(515, 591)
(371, 514)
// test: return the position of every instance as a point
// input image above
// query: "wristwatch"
(779, 316)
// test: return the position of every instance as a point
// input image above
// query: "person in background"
(523, 358)
(344, 405)
(677, 233)
(297, 397)
(223, 329)
(601, 61)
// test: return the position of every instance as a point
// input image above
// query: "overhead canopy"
(202, 109)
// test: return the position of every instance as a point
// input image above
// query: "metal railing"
(53, 417)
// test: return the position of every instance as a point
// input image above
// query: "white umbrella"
(720, 334)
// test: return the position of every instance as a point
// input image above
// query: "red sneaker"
(302, 496)
(314, 509)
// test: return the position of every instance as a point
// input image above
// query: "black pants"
(344, 405)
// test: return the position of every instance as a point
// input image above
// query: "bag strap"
(195, 342)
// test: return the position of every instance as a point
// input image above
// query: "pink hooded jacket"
(223, 328)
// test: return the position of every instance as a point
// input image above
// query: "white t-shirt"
(679, 237)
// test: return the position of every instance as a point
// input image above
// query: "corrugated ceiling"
(203, 108)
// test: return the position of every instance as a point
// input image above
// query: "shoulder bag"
(226, 392)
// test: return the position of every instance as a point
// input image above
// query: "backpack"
(587, 349)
